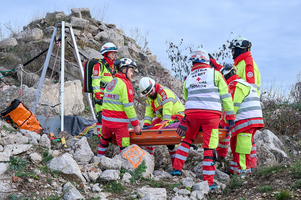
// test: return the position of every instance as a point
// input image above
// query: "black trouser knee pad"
(99, 117)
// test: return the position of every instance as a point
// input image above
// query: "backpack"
(88, 72)
(20, 117)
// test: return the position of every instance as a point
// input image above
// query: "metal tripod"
(52, 42)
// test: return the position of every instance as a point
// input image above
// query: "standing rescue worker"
(205, 91)
(118, 107)
(247, 70)
(243, 61)
(162, 103)
(248, 119)
(103, 73)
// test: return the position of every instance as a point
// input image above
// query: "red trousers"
(240, 160)
(210, 142)
(122, 134)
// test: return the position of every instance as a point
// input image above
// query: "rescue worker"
(103, 73)
(161, 103)
(243, 61)
(247, 70)
(248, 119)
(118, 107)
(205, 91)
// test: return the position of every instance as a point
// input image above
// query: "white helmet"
(125, 62)
(240, 42)
(108, 47)
(199, 55)
(146, 85)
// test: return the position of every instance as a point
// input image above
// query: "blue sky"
(273, 27)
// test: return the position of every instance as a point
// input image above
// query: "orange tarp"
(163, 137)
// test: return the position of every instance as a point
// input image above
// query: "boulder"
(30, 34)
(133, 156)
(8, 42)
(82, 152)
(68, 167)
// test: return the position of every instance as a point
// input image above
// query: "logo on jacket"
(250, 74)
(131, 92)
(95, 73)
(111, 85)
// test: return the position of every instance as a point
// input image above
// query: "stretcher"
(163, 137)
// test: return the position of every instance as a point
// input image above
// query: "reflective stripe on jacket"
(206, 89)
(118, 106)
(164, 106)
(250, 106)
(248, 70)
(248, 111)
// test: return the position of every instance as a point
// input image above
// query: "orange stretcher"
(163, 137)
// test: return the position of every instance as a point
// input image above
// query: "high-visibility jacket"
(118, 106)
(164, 106)
(205, 89)
(100, 78)
(247, 108)
(248, 70)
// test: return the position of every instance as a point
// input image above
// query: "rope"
(7, 72)
(49, 80)
(47, 112)
(31, 72)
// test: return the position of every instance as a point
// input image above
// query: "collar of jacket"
(242, 57)
(110, 62)
(232, 78)
(157, 87)
(123, 77)
(200, 65)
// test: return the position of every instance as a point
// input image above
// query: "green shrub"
(17, 163)
(114, 187)
(27, 174)
(235, 182)
(265, 188)
(46, 156)
(282, 109)
(295, 170)
(297, 184)
(13, 197)
(283, 195)
(270, 170)
(162, 184)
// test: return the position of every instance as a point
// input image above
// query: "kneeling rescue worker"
(248, 119)
(205, 91)
(162, 103)
(118, 107)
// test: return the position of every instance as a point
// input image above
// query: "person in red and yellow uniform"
(248, 119)
(103, 73)
(162, 103)
(243, 60)
(247, 70)
(205, 91)
(118, 107)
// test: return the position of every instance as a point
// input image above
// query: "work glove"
(98, 101)
(145, 127)
(231, 123)
(182, 128)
